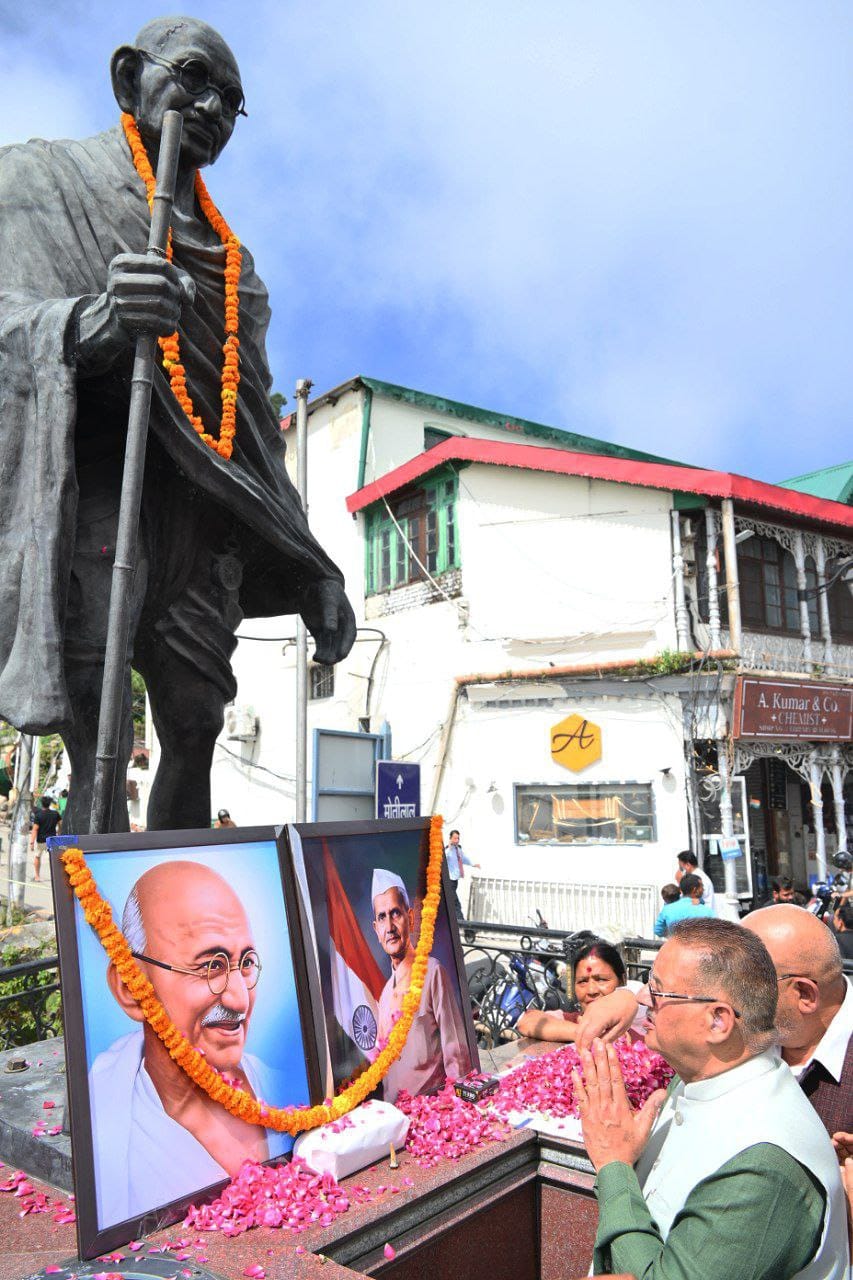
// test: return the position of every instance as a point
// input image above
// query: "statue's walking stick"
(124, 566)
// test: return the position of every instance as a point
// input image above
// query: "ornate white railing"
(618, 910)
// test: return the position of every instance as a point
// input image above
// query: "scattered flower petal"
(443, 1127)
(390, 1252)
(289, 1197)
(544, 1084)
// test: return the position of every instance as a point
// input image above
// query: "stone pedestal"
(521, 1209)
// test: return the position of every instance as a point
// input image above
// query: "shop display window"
(585, 813)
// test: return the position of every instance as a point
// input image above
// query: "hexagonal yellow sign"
(576, 742)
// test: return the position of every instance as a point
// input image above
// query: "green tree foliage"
(137, 703)
(26, 1013)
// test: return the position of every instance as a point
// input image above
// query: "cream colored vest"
(703, 1125)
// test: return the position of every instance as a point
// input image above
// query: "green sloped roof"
(835, 483)
(518, 426)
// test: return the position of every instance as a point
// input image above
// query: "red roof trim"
(649, 475)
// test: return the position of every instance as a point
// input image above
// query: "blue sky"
(632, 220)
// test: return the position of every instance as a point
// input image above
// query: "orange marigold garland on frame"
(170, 346)
(292, 1120)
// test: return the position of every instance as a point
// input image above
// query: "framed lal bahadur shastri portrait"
(361, 887)
(210, 917)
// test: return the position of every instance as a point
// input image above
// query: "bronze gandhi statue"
(221, 538)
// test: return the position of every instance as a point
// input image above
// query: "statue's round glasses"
(216, 970)
(656, 996)
(194, 76)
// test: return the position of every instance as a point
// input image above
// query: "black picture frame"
(446, 924)
(95, 1238)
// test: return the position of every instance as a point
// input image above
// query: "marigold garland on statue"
(170, 346)
(292, 1120)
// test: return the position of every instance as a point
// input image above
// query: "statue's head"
(180, 64)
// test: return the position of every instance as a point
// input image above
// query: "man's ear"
(125, 67)
(808, 994)
(122, 996)
(721, 1023)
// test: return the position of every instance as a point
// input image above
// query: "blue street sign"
(729, 847)
(398, 789)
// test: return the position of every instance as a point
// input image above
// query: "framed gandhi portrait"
(209, 916)
(361, 887)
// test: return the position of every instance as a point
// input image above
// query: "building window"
(321, 681)
(840, 607)
(768, 588)
(420, 537)
(434, 436)
(611, 813)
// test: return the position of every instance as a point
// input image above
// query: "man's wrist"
(100, 338)
(614, 1173)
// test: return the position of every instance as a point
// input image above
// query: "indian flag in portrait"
(357, 980)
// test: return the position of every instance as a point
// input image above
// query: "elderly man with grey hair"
(730, 1173)
(156, 1136)
(436, 1048)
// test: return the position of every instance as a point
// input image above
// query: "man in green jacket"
(729, 1174)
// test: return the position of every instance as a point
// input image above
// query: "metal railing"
(29, 1002)
(612, 908)
(511, 968)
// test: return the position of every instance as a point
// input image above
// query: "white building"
(508, 576)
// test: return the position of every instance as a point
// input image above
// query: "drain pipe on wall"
(303, 386)
(732, 584)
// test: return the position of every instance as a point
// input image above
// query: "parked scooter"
(534, 977)
(828, 893)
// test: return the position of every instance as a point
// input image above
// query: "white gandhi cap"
(383, 881)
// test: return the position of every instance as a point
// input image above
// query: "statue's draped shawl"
(66, 209)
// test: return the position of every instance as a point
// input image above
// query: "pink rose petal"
(390, 1252)
(545, 1084)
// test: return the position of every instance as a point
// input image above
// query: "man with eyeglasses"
(156, 1137)
(730, 1173)
(220, 538)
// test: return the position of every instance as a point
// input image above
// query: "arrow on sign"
(399, 781)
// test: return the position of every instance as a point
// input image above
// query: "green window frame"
(424, 525)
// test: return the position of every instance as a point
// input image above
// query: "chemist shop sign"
(792, 709)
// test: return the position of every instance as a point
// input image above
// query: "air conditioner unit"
(241, 724)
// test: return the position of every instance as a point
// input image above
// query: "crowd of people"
(744, 1167)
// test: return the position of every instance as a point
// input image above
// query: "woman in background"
(599, 969)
